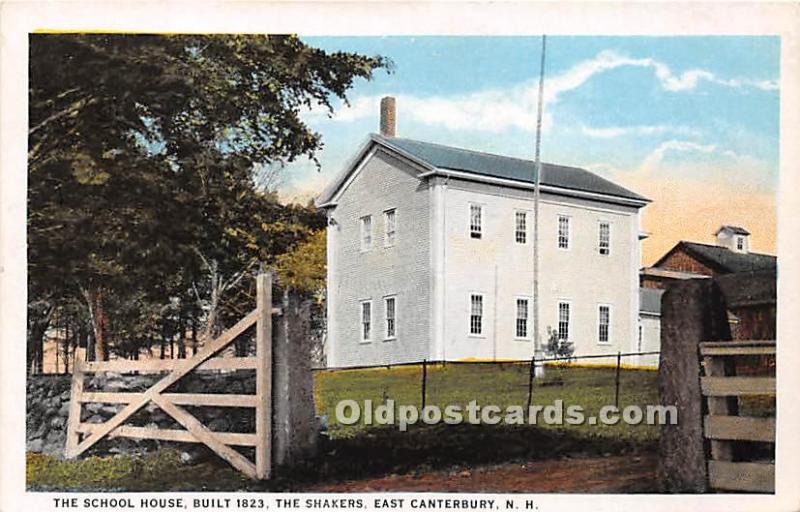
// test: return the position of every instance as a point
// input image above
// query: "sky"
(690, 122)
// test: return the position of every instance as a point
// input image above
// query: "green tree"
(144, 152)
(303, 268)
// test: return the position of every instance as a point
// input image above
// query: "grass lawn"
(357, 452)
(502, 385)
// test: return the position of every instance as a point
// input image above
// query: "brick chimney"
(388, 116)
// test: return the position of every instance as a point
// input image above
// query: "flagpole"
(537, 345)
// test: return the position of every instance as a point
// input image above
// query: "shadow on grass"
(376, 453)
(385, 451)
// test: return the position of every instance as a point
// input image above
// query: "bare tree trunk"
(163, 341)
(194, 335)
(181, 338)
(37, 327)
(67, 337)
(99, 323)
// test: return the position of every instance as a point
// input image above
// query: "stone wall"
(48, 409)
(295, 427)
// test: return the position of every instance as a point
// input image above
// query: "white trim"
(483, 315)
(342, 183)
(610, 307)
(386, 318)
(570, 315)
(600, 222)
(386, 243)
(330, 197)
(529, 319)
(558, 232)
(481, 223)
(361, 232)
(438, 228)
(361, 338)
(330, 292)
(544, 188)
(649, 314)
(527, 224)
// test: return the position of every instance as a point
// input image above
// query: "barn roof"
(747, 289)
(722, 259)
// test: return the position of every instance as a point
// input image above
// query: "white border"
(327, 18)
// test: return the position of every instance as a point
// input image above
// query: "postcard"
(399, 256)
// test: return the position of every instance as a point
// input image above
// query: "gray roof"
(735, 229)
(747, 289)
(506, 167)
(722, 259)
(650, 300)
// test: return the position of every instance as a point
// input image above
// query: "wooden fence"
(724, 427)
(82, 436)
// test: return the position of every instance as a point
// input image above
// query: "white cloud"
(496, 110)
(657, 156)
(609, 132)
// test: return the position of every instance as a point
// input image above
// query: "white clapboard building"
(430, 256)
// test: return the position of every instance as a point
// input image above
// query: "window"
(366, 232)
(740, 243)
(475, 220)
(390, 310)
(366, 320)
(389, 224)
(476, 314)
(563, 232)
(521, 327)
(520, 227)
(563, 321)
(605, 238)
(603, 323)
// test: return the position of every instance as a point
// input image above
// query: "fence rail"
(724, 427)
(569, 359)
(434, 380)
(82, 436)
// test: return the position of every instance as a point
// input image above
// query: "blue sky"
(633, 109)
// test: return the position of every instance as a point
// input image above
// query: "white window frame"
(739, 241)
(389, 237)
(569, 232)
(386, 335)
(610, 323)
(482, 333)
(528, 310)
(366, 239)
(361, 337)
(524, 230)
(569, 319)
(479, 225)
(600, 225)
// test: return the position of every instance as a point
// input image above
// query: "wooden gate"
(82, 436)
(723, 426)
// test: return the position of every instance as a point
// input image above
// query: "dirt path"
(581, 475)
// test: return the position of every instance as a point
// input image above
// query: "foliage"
(160, 470)
(145, 157)
(303, 268)
(557, 347)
